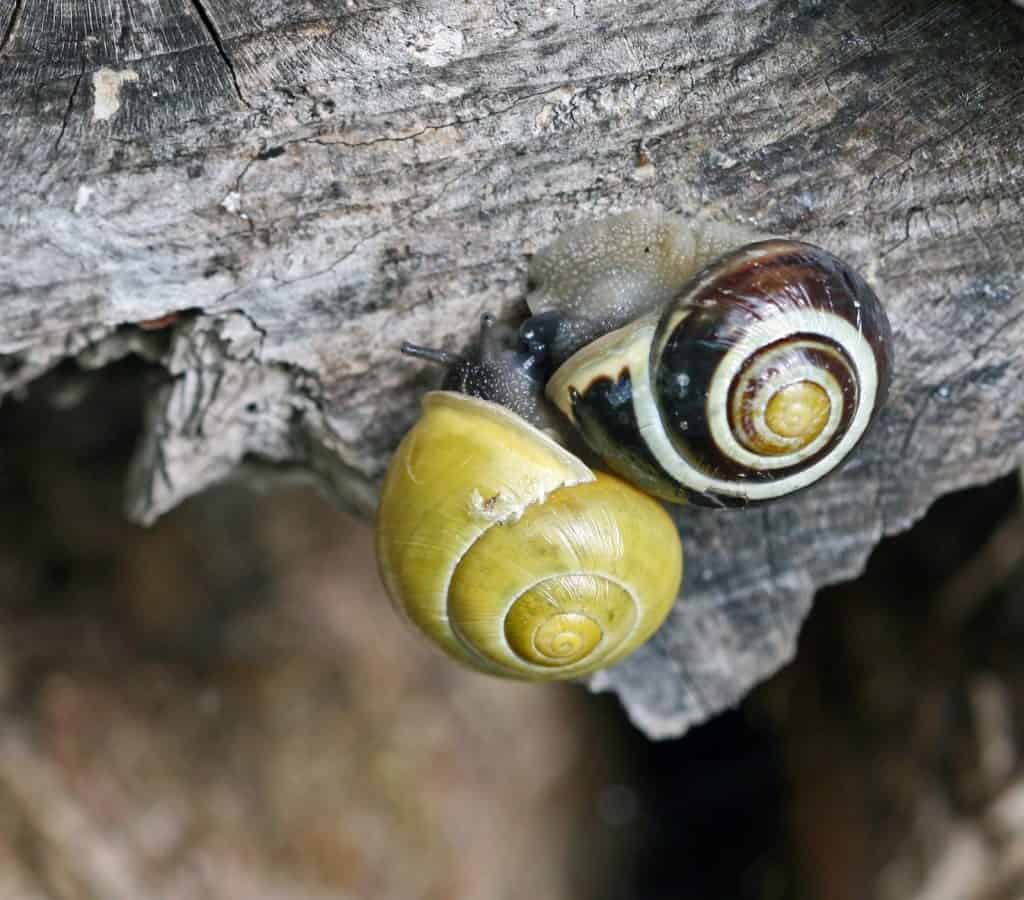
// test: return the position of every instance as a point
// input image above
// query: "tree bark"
(267, 198)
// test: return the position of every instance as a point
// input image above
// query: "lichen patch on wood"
(106, 87)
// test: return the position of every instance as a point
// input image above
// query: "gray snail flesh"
(697, 372)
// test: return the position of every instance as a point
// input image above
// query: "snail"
(511, 553)
(701, 363)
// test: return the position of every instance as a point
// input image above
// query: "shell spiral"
(756, 380)
(512, 554)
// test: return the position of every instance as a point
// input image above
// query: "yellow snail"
(696, 372)
(511, 553)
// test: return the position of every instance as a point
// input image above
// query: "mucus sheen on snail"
(700, 363)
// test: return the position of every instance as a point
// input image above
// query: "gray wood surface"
(310, 183)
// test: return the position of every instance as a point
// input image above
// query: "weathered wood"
(315, 184)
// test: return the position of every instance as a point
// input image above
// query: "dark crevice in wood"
(210, 26)
(9, 33)
(977, 579)
(67, 114)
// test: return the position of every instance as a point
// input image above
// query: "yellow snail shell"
(512, 554)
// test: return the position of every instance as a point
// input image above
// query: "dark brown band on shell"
(801, 350)
(734, 298)
(604, 414)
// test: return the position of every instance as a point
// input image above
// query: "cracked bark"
(318, 184)
(211, 28)
(67, 112)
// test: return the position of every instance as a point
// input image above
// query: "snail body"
(702, 363)
(512, 554)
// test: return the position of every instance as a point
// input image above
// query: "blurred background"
(224, 705)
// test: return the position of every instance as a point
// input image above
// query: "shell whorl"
(512, 554)
(756, 381)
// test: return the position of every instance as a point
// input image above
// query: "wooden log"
(306, 185)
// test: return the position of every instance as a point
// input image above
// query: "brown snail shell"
(755, 380)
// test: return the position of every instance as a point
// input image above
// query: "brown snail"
(696, 372)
